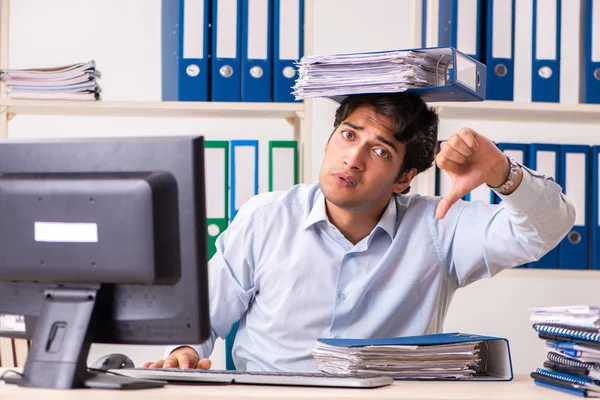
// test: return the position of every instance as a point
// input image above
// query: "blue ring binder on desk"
(498, 363)
(464, 78)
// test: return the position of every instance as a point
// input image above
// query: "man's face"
(362, 161)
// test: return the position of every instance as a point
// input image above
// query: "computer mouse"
(113, 361)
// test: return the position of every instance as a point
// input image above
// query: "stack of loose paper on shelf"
(444, 74)
(441, 356)
(572, 338)
(70, 82)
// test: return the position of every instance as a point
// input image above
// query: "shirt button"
(342, 296)
(350, 254)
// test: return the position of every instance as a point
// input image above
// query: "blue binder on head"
(500, 49)
(574, 178)
(545, 159)
(545, 74)
(592, 51)
(243, 173)
(463, 79)
(498, 362)
(288, 46)
(226, 71)
(595, 222)
(185, 50)
(256, 50)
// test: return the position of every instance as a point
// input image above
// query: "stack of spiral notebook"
(572, 338)
(69, 82)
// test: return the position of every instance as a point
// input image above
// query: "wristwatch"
(512, 177)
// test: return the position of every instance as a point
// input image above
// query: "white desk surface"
(520, 388)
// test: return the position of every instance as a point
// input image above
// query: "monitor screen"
(105, 234)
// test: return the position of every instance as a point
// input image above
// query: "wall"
(124, 39)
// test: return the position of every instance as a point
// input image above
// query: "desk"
(521, 388)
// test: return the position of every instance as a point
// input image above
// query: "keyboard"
(321, 379)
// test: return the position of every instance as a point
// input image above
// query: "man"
(352, 257)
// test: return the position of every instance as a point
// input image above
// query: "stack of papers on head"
(385, 72)
(436, 74)
(70, 82)
(440, 356)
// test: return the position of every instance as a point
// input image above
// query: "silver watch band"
(513, 174)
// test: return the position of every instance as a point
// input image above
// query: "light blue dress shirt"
(291, 277)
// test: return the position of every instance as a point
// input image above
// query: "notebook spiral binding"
(570, 362)
(571, 333)
(563, 376)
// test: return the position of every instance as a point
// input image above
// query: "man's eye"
(382, 153)
(348, 135)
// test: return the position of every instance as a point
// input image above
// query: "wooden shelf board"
(520, 112)
(288, 111)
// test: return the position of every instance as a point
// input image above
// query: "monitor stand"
(61, 343)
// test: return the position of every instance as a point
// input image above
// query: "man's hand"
(182, 357)
(471, 160)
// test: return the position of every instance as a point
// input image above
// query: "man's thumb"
(447, 202)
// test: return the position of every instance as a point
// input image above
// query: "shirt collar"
(387, 221)
(317, 213)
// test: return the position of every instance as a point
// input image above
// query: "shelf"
(289, 111)
(520, 112)
(550, 273)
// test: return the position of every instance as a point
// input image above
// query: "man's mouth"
(345, 180)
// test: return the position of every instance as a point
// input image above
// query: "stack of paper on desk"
(70, 82)
(442, 356)
(437, 74)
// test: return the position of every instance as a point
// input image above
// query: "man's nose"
(355, 157)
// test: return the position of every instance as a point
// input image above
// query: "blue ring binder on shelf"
(464, 78)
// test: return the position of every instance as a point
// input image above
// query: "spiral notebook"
(584, 383)
(562, 333)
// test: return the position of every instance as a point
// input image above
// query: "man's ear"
(405, 180)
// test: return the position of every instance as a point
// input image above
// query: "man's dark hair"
(413, 123)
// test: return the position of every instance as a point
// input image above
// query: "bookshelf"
(288, 111)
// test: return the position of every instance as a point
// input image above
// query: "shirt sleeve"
(230, 278)
(478, 240)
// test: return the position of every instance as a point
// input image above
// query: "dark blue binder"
(500, 51)
(256, 50)
(595, 198)
(185, 50)
(574, 179)
(545, 70)
(545, 159)
(499, 364)
(288, 46)
(464, 80)
(592, 62)
(226, 50)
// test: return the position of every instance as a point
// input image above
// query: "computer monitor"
(101, 240)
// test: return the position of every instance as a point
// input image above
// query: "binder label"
(193, 29)
(546, 30)
(466, 27)
(289, 30)
(575, 185)
(258, 29)
(214, 182)
(466, 71)
(227, 28)
(546, 163)
(595, 30)
(502, 29)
